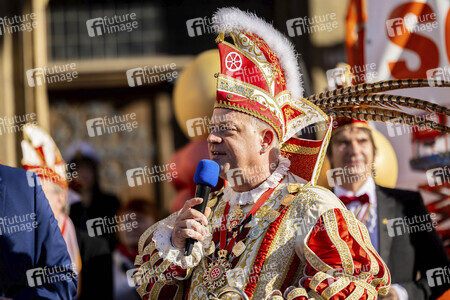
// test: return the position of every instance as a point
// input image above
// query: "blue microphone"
(206, 176)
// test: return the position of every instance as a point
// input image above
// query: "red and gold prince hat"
(260, 77)
(42, 156)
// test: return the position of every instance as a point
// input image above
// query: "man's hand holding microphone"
(190, 224)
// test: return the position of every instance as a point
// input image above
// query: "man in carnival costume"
(271, 233)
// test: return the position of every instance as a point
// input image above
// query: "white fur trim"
(230, 19)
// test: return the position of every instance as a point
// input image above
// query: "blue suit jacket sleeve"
(37, 260)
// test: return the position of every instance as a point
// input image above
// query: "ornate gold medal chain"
(215, 275)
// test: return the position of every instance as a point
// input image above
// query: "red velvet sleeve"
(341, 261)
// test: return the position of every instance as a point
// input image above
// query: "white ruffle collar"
(250, 197)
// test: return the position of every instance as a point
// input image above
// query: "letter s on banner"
(423, 46)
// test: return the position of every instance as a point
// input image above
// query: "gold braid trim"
(356, 294)
(145, 236)
(353, 228)
(315, 107)
(147, 250)
(315, 261)
(297, 292)
(366, 286)
(314, 295)
(154, 258)
(156, 289)
(332, 229)
(385, 280)
(384, 290)
(142, 290)
(149, 269)
(299, 149)
(336, 287)
(274, 247)
(323, 151)
(318, 278)
(237, 107)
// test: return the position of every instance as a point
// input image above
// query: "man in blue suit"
(34, 262)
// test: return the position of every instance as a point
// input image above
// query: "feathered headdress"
(365, 103)
(260, 77)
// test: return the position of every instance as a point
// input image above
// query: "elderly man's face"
(233, 140)
(352, 148)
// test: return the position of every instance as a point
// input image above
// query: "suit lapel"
(386, 211)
